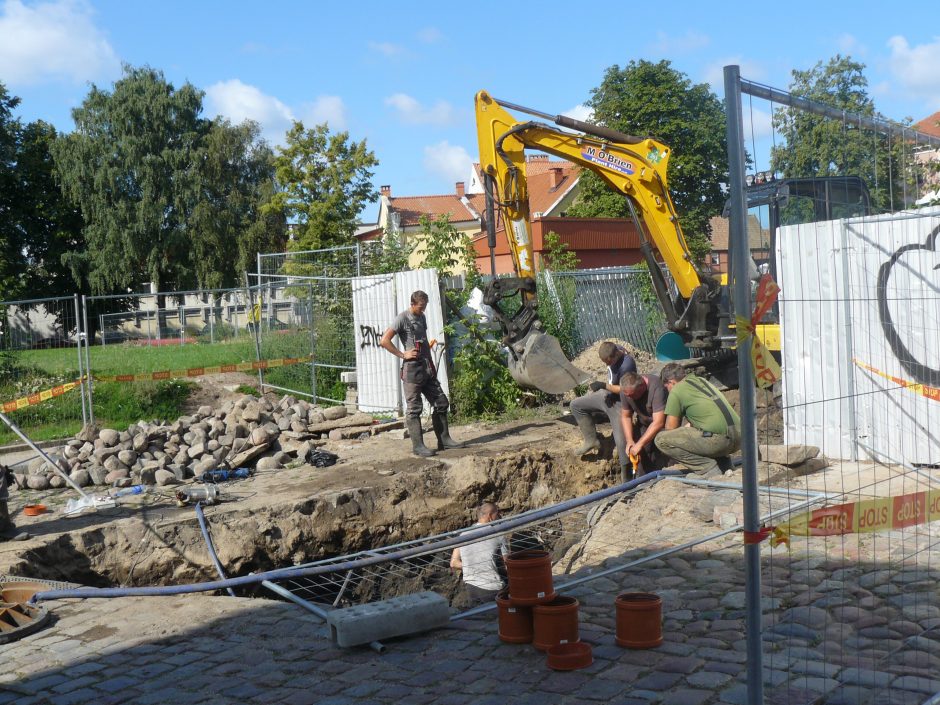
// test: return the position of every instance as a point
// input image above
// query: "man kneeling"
(713, 432)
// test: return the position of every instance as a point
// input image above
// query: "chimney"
(386, 191)
(556, 177)
(460, 189)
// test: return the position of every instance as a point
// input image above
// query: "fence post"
(78, 349)
(313, 343)
(91, 384)
(740, 249)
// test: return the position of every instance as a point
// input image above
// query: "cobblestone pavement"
(834, 633)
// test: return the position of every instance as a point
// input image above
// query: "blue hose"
(212, 553)
(462, 539)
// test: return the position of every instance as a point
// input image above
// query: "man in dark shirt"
(419, 375)
(604, 398)
(643, 403)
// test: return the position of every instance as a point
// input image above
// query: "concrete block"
(397, 616)
(348, 377)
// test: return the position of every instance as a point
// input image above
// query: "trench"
(156, 543)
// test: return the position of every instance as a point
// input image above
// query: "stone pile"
(247, 432)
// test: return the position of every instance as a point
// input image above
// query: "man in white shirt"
(478, 560)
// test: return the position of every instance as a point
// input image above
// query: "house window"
(716, 258)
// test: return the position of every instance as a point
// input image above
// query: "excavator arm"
(633, 166)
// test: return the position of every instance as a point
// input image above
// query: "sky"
(403, 75)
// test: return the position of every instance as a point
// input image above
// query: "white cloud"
(430, 35)
(672, 44)
(53, 41)
(413, 113)
(849, 44)
(579, 112)
(326, 108)
(239, 101)
(448, 161)
(386, 48)
(915, 68)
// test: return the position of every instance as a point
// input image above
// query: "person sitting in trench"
(481, 562)
(643, 415)
(604, 398)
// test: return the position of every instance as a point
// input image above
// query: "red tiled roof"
(929, 125)
(413, 207)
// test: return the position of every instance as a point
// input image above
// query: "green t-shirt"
(688, 399)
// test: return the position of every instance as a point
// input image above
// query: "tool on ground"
(207, 494)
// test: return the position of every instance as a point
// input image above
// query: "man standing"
(419, 375)
(478, 561)
(604, 398)
(643, 403)
(714, 430)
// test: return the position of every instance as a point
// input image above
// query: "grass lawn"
(117, 405)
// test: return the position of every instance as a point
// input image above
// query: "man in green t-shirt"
(713, 432)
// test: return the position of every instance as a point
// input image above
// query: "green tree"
(11, 236)
(237, 171)
(324, 180)
(814, 145)
(129, 166)
(556, 256)
(37, 225)
(646, 98)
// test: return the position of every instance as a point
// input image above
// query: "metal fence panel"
(40, 351)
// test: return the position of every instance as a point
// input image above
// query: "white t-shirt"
(479, 562)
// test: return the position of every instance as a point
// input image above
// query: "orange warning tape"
(200, 371)
(38, 397)
(916, 387)
(862, 517)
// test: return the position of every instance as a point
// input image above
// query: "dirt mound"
(588, 360)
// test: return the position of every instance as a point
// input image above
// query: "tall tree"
(11, 240)
(654, 99)
(324, 180)
(236, 177)
(814, 145)
(37, 225)
(129, 167)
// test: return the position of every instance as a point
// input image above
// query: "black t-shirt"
(653, 401)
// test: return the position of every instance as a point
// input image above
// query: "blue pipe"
(212, 553)
(471, 536)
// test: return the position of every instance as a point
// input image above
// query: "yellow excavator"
(697, 308)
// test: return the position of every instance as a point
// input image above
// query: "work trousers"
(594, 403)
(432, 391)
(696, 449)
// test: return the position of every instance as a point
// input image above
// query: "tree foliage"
(37, 225)
(646, 98)
(814, 145)
(324, 180)
(167, 196)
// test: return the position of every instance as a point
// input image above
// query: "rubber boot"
(8, 531)
(418, 448)
(589, 434)
(442, 431)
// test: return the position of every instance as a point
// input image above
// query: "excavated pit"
(295, 516)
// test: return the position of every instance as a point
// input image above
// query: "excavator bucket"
(542, 365)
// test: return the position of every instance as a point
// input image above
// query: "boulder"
(99, 475)
(787, 455)
(268, 463)
(332, 413)
(128, 457)
(112, 477)
(165, 477)
(82, 478)
(109, 437)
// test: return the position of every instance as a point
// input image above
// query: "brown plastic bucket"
(639, 620)
(515, 621)
(555, 623)
(530, 577)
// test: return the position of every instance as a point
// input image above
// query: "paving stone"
(689, 696)
(658, 681)
(680, 665)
